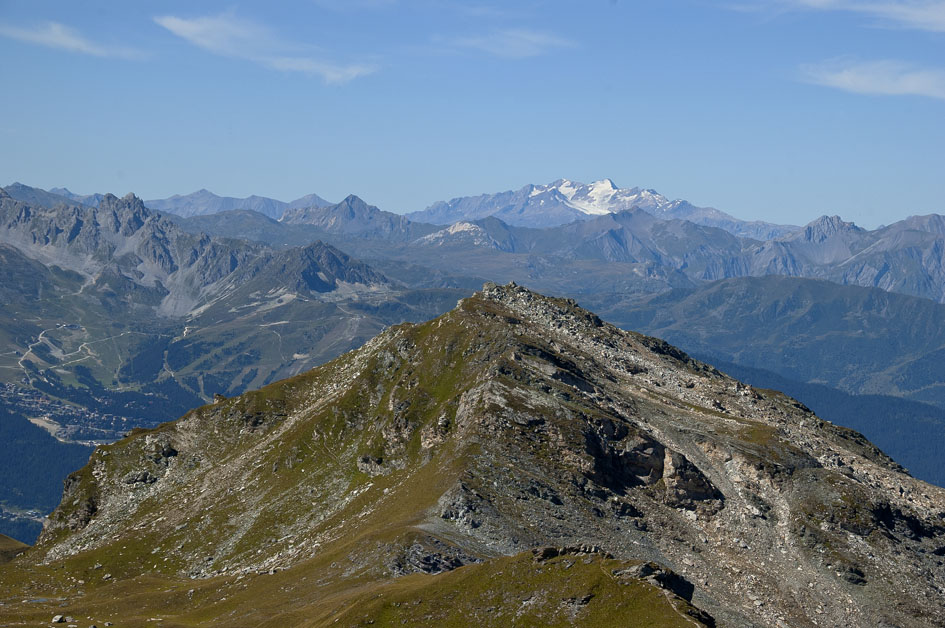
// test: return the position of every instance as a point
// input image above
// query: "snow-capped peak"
(604, 184)
(564, 200)
(601, 197)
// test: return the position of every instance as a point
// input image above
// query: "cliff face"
(515, 422)
(121, 244)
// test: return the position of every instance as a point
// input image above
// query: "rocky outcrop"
(518, 422)
(138, 256)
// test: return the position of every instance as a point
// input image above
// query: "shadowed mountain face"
(514, 422)
(33, 465)
(313, 268)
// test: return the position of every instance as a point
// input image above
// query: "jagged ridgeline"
(514, 461)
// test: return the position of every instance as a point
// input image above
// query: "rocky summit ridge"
(501, 445)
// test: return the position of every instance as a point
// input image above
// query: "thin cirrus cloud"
(515, 43)
(229, 36)
(885, 77)
(62, 37)
(345, 5)
(926, 15)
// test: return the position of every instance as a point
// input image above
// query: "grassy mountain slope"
(511, 423)
(153, 320)
(909, 431)
(10, 548)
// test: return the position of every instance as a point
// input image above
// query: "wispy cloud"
(513, 43)
(926, 15)
(56, 35)
(486, 11)
(885, 77)
(230, 36)
(347, 5)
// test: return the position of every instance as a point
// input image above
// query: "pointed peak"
(128, 201)
(825, 219)
(823, 228)
(604, 184)
(202, 193)
(354, 201)
(309, 200)
(832, 224)
(563, 183)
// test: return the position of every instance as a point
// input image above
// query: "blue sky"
(780, 110)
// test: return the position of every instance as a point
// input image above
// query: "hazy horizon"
(781, 110)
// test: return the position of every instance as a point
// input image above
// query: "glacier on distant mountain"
(564, 201)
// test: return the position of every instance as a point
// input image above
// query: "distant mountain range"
(717, 295)
(203, 202)
(611, 260)
(37, 196)
(537, 206)
(92, 200)
(906, 257)
(189, 308)
(565, 201)
(199, 203)
(355, 218)
(136, 315)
